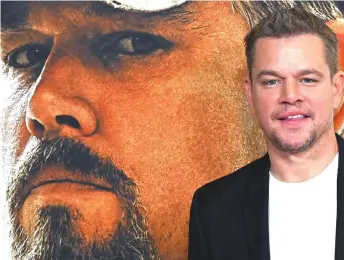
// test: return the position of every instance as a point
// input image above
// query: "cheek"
(180, 134)
(192, 109)
(170, 129)
(174, 146)
(14, 134)
(323, 107)
(264, 107)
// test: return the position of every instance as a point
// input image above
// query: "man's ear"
(338, 27)
(249, 92)
(338, 88)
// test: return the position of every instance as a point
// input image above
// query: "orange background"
(338, 27)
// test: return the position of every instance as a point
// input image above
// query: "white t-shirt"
(302, 217)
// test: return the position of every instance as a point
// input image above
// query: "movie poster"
(114, 112)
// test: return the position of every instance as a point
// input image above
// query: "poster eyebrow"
(14, 16)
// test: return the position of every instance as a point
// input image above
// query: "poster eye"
(28, 56)
(141, 44)
(134, 43)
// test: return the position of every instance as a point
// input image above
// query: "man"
(114, 116)
(289, 204)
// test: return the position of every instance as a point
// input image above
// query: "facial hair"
(313, 136)
(56, 234)
(289, 148)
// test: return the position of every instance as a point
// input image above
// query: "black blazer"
(229, 216)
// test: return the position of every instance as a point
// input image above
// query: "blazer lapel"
(256, 212)
(340, 203)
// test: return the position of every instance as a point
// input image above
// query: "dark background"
(340, 4)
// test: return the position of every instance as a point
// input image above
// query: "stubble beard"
(313, 136)
(56, 235)
(56, 238)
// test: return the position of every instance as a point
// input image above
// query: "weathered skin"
(173, 120)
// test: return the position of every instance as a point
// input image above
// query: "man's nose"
(291, 92)
(56, 107)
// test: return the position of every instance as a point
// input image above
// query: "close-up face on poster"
(113, 113)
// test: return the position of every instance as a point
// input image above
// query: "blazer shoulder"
(234, 183)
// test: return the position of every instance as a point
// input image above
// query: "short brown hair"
(292, 22)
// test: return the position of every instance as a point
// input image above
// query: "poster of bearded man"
(114, 112)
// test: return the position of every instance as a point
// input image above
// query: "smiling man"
(289, 204)
(114, 115)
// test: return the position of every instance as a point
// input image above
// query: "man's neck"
(305, 165)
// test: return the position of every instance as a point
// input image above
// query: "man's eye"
(270, 83)
(133, 43)
(308, 81)
(28, 56)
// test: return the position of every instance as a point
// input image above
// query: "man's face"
(117, 118)
(292, 90)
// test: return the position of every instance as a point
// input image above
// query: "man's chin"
(293, 142)
(57, 235)
(99, 210)
(66, 202)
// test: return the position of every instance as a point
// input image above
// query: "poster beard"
(56, 235)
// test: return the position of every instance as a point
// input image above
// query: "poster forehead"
(145, 5)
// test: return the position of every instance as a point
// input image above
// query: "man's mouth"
(67, 182)
(294, 119)
(293, 116)
(92, 199)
